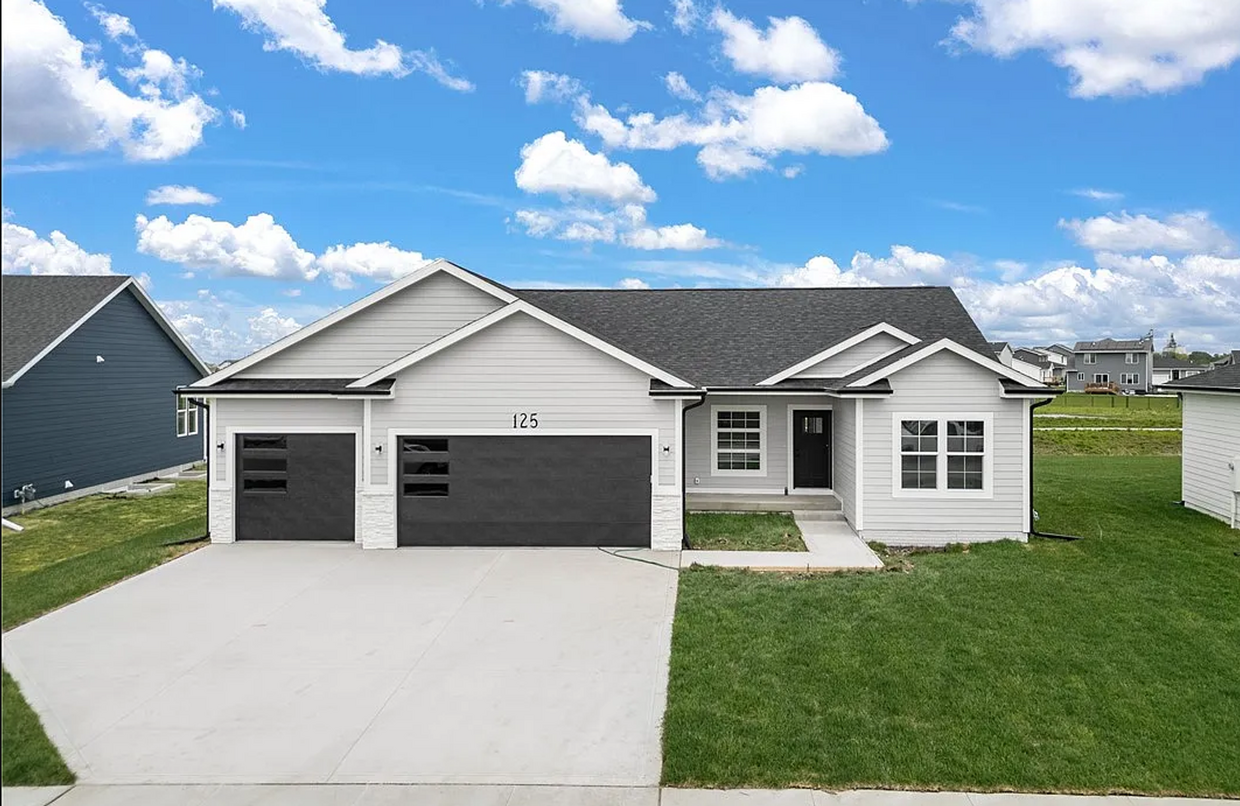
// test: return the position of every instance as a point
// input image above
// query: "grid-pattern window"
(919, 454)
(1080, 376)
(966, 448)
(187, 417)
(1090, 358)
(1131, 378)
(1102, 377)
(738, 439)
(1132, 358)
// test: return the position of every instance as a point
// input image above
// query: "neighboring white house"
(1169, 368)
(447, 409)
(1211, 449)
(1032, 365)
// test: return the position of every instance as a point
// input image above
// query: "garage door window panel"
(264, 465)
(425, 467)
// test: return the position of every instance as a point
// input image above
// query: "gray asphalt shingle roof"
(737, 337)
(1135, 345)
(36, 310)
(1223, 379)
(1173, 362)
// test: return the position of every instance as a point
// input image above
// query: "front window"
(1080, 376)
(943, 455)
(739, 440)
(1090, 358)
(1132, 358)
(1130, 378)
(187, 417)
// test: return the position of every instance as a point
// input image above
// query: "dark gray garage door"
(524, 491)
(295, 486)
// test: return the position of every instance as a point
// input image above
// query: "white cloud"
(555, 164)
(116, 26)
(1098, 195)
(238, 118)
(380, 262)
(603, 20)
(258, 248)
(262, 248)
(303, 27)
(633, 284)
(683, 237)
(57, 95)
(232, 327)
(1111, 47)
(738, 134)
(180, 194)
(905, 266)
(1191, 231)
(24, 252)
(685, 15)
(540, 85)
(793, 171)
(789, 50)
(679, 87)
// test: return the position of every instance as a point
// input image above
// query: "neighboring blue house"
(89, 365)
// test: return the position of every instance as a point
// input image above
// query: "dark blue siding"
(71, 417)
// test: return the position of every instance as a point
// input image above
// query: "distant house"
(1126, 363)
(1003, 352)
(1231, 358)
(1211, 447)
(90, 364)
(1172, 368)
(1032, 364)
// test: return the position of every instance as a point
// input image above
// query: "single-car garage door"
(295, 486)
(524, 491)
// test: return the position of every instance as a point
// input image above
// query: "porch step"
(728, 502)
(817, 514)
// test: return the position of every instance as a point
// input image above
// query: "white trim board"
(836, 349)
(145, 301)
(520, 306)
(934, 349)
(439, 265)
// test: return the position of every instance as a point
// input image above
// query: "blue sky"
(1070, 167)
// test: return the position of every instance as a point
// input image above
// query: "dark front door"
(295, 486)
(523, 491)
(811, 448)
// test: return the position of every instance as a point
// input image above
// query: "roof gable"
(865, 348)
(40, 312)
(916, 353)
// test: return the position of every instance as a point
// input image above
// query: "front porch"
(760, 502)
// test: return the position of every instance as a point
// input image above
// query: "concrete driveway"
(267, 663)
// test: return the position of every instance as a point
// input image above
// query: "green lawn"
(743, 531)
(1106, 443)
(1077, 400)
(1107, 664)
(67, 552)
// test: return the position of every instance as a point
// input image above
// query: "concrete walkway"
(447, 795)
(831, 545)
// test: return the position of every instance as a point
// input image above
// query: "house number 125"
(525, 419)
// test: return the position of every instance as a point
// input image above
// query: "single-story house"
(1211, 444)
(447, 409)
(1169, 368)
(90, 368)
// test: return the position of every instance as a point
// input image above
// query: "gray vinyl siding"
(844, 456)
(1211, 442)
(276, 416)
(698, 435)
(522, 365)
(841, 364)
(73, 418)
(383, 332)
(946, 384)
(1111, 364)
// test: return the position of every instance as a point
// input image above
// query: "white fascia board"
(937, 347)
(439, 265)
(519, 306)
(836, 349)
(69, 331)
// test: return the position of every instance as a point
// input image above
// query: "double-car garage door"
(453, 490)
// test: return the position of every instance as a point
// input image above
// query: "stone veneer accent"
(220, 515)
(666, 522)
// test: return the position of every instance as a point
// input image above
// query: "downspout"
(684, 463)
(1033, 512)
(205, 408)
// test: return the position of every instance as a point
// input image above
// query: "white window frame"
(942, 492)
(714, 441)
(1102, 377)
(1130, 378)
(1090, 358)
(186, 407)
(1132, 358)
(1080, 376)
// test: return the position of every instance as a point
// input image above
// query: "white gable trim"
(146, 303)
(836, 349)
(935, 348)
(439, 265)
(520, 306)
